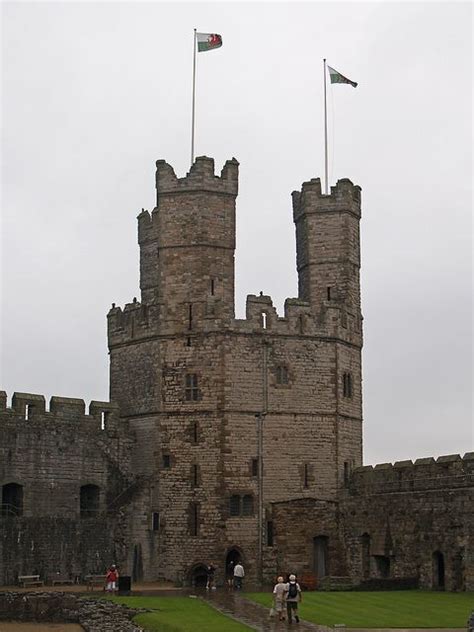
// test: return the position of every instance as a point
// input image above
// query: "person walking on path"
(279, 596)
(210, 571)
(293, 597)
(111, 579)
(239, 574)
(230, 574)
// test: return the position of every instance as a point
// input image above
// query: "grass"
(394, 609)
(180, 614)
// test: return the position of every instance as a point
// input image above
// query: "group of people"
(234, 575)
(286, 596)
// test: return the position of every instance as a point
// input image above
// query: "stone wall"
(48, 456)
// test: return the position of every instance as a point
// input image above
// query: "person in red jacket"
(111, 579)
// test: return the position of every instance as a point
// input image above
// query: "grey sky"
(94, 93)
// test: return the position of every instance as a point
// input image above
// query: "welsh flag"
(208, 41)
(336, 77)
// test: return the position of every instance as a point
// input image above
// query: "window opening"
(195, 431)
(264, 320)
(301, 323)
(347, 472)
(12, 499)
(191, 387)
(254, 467)
(347, 385)
(247, 505)
(234, 505)
(328, 292)
(195, 473)
(270, 533)
(212, 287)
(89, 501)
(155, 521)
(188, 341)
(305, 476)
(282, 375)
(190, 317)
(27, 411)
(104, 417)
(194, 516)
(166, 460)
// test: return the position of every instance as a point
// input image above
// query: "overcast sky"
(94, 93)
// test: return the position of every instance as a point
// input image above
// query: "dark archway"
(438, 571)
(12, 499)
(382, 566)
(233, 556)
(89, 501)
(321, 556)
(137, 566)
(198, 576)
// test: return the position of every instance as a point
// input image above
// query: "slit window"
(347, 472)
(347, 385)
(28, 410)
(166, 461)
(270, 533)
(195, 475)
(306, 476)
(264, 320)
(155, 521)
(328, 293)
(104, 416)
(254, 467)
(195, 432)
(190, 317)
(194, 519)
(191, 390)
(212, 287)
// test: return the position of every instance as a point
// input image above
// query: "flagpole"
(325, 134)
(194, 100)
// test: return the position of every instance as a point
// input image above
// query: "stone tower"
(221, 407)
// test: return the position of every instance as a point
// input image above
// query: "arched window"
(12, 499)
(89, 500)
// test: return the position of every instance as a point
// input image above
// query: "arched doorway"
(438, 570)
(233, 556)
(198, 576)
(320, 556)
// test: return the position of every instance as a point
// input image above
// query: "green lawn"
(397, 609)
(180, 614)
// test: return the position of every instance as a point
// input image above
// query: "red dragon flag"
(208, 41)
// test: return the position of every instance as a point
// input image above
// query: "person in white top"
(239, 574)
(279, 596)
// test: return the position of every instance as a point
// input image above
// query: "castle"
(229, 438)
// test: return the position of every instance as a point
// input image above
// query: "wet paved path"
(235, 605)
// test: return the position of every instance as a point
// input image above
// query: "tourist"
(239, 574)
(293, 596)
(229, 573)
(279, 597)
(210, 571)
(111, 579)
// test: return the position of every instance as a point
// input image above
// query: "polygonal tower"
(234, 415)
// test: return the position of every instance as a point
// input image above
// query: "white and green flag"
(336, 77)
(208, 41)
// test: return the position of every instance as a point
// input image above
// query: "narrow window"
(347, 385)
(155, 521)
(89, 501)
(191, 387)
(347, 472)
(247, 505)
(190, 317)
(282, 375)
(301, 323)
(234, 505)
(212, 287)
(306, 476)
(195, 432)
(12, 499)
(195, 475)
(104, 415)
(328, 291)
(166, 461)
(270, 533)
(194, 519)
(27, 411)
(254, 467)
(188, 341)
(264, 320)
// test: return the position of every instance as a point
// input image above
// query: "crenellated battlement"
(446, 471)
(30, 408)
(200, 178)
(135, 321)
(345, 196)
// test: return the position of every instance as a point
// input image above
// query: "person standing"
(111, 579)
(279, 596)
(239, 574)
(230, 573)
(210, 571)
(293, 597)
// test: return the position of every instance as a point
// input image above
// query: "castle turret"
(327, 245)
(187, 244)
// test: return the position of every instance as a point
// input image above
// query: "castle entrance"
(320, 556)
(438, 570)
(198, 576)
(233, 556)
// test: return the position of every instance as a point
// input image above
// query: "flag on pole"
(336, 77)
(208, 41)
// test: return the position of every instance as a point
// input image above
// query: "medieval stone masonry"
(188, 464)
